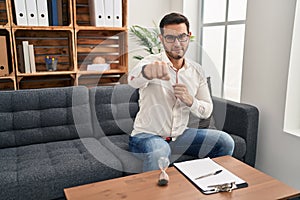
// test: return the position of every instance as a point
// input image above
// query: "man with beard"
(170, 87)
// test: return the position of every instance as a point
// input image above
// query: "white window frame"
(226, 23)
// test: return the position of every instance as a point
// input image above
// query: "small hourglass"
(163, 163)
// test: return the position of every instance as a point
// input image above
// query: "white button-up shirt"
(161, 113)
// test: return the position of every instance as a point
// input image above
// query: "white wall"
(292, 118)
(144, 13)
(266, 62)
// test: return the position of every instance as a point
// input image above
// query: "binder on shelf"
(97, 15)
(59, 4)
(21, 14)
(109, 13)
(117, 13)
(209, 177)
(31, 9)
(26, 57)
(49, 7)
(3, 59)
(54, 12)
(31, 58)
(42, 11)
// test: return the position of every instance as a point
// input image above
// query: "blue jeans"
(194, 142)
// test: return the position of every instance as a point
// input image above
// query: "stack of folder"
(28, 57)
(107, 13)
(39, 12)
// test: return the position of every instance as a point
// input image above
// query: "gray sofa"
(57, 138)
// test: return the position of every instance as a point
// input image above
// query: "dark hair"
(173, 18)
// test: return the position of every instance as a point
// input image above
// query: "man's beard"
(175, 56)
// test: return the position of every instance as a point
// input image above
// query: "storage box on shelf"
(45, 81)
(109, 45)
(107, 42)
(56, 43)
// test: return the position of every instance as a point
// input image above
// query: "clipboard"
(209, 177)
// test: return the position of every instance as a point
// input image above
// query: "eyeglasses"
(181, 38)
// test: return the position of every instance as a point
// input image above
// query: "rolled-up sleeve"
(202, 106)
(135, 77)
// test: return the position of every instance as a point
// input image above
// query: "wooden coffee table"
(144, 186)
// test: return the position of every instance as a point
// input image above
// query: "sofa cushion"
(44, 115)
(41, 171)
(113, 109)
(240, 147)
(118, 145)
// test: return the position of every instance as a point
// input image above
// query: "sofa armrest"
(239, 119)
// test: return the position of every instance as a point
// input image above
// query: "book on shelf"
(26, 57)
(20, 57)
(32, 58)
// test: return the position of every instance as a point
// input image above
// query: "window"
(222, 40)
(292, 106)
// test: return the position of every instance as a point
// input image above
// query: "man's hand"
(157, 70)
(182, 93)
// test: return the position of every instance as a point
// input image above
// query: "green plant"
(148, 38)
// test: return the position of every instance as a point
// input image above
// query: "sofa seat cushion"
(41, 171)
(118, 145)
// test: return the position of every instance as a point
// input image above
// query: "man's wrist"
(143, 72)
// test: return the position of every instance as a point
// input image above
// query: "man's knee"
(227, 143)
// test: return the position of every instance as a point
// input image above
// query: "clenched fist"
(181, 92)
(157, 70)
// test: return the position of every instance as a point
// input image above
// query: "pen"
(210, 174)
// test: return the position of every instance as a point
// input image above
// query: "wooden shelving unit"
(75, 44)
(7, 81)
(108, 42)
